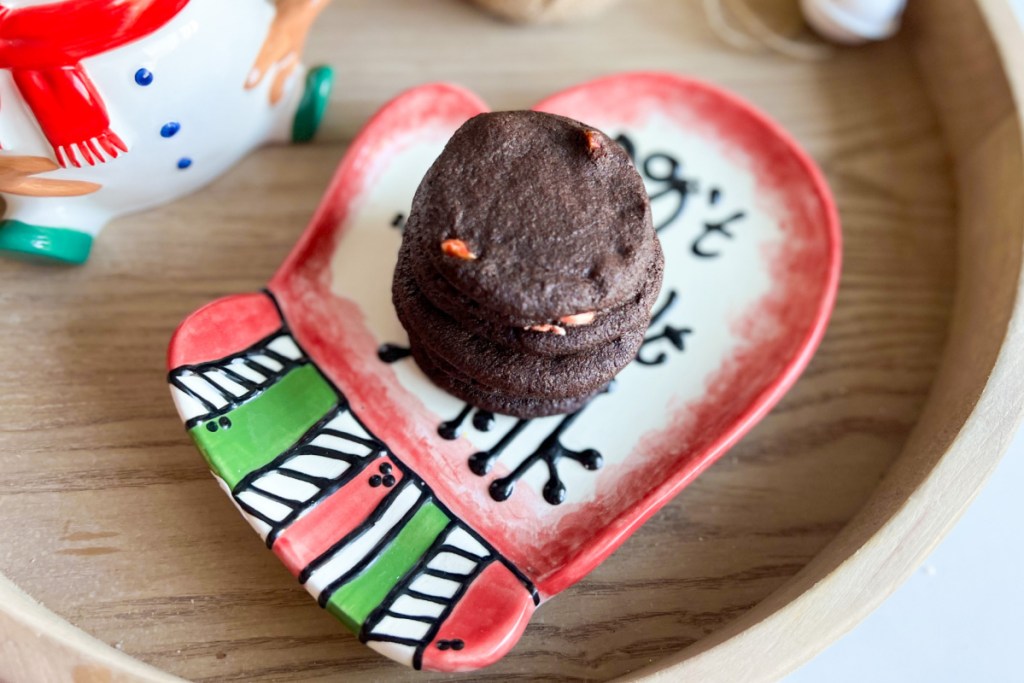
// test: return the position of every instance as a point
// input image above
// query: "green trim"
(315, 96)
(353, 602)
(46, 245)
(266, 426)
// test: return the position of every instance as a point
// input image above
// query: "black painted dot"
(442, 645)
(385, 468)
(170, 129)
(457, 644)
(143, 77)
(225, 423)
(211, 426)
(184, 163)
(483, 420)
(389, 481)
(375, 481)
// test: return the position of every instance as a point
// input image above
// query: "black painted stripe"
(527, 584)
(409, 617)
(251, 350)
(369, 522)
(448, 576)
(429, 598)
(272, 376)
(277, 357)
(325, 452)
(370, 557)
(268, 377)
(302, 442)
(369, 443)
(417, 657)
(325, 493)
(184, 388)
(240, 380)
(396, 639)
(255, 513)
(290, 502)
(403, 585)
(455, 550)
(319, 482)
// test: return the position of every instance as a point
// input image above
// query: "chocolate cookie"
(495, 367)
(524, 408)
(606, 326)
(535, 217)
(529, 264)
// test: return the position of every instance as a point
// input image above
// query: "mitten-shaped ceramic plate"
(433, 529)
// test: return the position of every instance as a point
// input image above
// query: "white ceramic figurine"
(112, 106)
(851, 22)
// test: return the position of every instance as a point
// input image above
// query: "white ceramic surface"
(854, 21)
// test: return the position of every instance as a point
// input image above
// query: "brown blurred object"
(545, 11)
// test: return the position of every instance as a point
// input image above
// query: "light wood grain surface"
(111, 520)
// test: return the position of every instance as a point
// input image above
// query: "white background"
(960, 617)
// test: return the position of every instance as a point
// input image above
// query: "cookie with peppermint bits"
(535, 217)
(496, 368)
(529, 264)
(583, 332)
(496, 402)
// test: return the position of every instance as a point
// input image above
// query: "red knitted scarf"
(43, 47)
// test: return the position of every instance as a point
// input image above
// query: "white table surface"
(960, 617)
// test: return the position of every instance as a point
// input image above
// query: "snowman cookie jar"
(113, 106)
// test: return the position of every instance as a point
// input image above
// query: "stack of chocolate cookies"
(529, 264)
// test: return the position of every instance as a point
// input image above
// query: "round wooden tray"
(111, 521)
